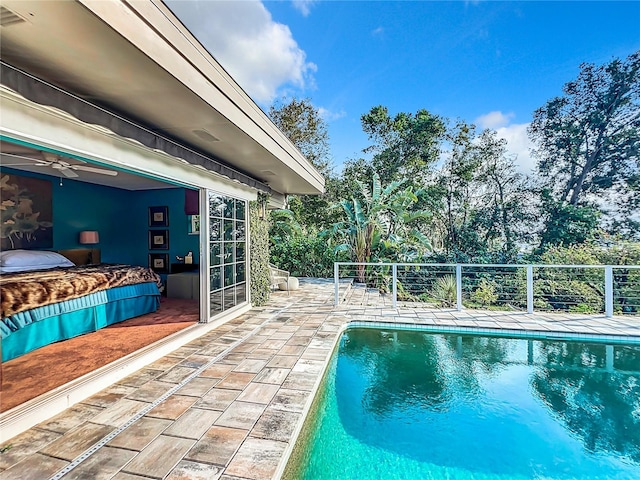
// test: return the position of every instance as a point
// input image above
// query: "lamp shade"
(89, 237)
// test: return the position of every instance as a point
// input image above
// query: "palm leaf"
(365, 191)
(392, 187)
(409, 217)
(422, 239)
(376, 187)
(358, 213)
(347, 206)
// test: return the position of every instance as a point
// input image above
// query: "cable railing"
(588, 289)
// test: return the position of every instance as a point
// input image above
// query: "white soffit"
(138, 59)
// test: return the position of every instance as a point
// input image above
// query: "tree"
(302, 123)
(405, 146)
(484, 202)
(380, 225)
(506, 198)
(566, 224)
(587, 141)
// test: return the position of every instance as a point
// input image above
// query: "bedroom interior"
(90, 223)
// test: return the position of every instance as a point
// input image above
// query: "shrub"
(444, 290)
(305, 256)
(485, 294)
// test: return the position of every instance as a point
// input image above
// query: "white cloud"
(495, 119)
(518, 142)
(303, 6)
(259, 53)
(377, 31)
(330, 116)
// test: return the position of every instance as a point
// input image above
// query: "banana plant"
(380, 226)
(284, 226)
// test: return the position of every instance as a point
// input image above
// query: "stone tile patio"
(230, 402)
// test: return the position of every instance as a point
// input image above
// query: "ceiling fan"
(54, 161)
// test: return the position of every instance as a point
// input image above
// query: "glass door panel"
(227, 246)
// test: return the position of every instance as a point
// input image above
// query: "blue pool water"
(416, 405)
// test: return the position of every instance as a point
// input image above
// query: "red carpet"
(46, 368)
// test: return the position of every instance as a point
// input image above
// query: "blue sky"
(492, 63)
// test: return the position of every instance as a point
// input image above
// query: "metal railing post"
(459, 287)
(336, 282)
(529, 288)
(394, 287)
(608, 291)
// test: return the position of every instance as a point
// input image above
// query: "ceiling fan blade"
(23, 157)
(101, 171)
(67, 172)
(25, 164)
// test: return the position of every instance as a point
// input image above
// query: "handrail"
(458, 269)
(495, 265)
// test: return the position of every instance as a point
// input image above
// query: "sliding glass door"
(227, 250)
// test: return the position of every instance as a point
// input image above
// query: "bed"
(45, 304)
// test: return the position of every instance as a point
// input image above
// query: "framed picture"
(158, 239)
(26, 215)
(158, 216)
(159, 262)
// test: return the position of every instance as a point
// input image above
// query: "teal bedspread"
(26, 331)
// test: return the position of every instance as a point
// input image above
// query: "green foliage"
(485, 294)
(305, 256)
(259, 253)
(283, 226)
(582, 290)
(405, 146)
(445, 291)
(439, 191)
(403, 294)
(626, 282)
(585, 254)
(302, 123)
(583, 308)
(569, 289)
(479, 200)
(379, 227)
(587, 141)
(567, 224)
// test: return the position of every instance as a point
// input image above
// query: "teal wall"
(120, 216)
(180, 242)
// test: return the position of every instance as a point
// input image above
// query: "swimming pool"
(415, 405)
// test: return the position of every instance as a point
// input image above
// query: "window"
(194, 224)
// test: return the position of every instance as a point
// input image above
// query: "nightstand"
(184, 267)
(183, 285)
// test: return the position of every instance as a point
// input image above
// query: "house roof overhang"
(136, 59)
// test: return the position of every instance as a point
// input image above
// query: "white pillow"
(27, 268)
(32, 259)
